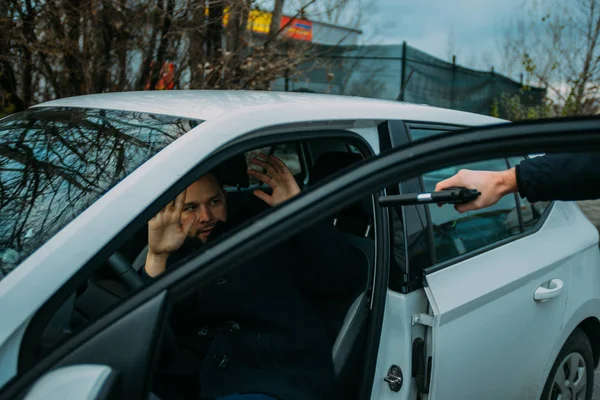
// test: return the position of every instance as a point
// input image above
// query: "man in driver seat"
(253, 334)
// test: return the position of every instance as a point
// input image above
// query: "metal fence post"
(453, 81)
(403, 72)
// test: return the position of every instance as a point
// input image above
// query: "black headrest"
(233, 171)
(331, 162)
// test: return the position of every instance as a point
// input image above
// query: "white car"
(501, 303)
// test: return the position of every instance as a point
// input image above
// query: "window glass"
(288, 153)
(418, 134)
(55, 162)
(455, 233)
(353, 149)
(532, 212)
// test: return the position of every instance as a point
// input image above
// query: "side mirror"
(93, 382)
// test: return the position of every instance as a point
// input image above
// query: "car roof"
(210, 104)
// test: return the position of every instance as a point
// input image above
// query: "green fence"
(400, 72)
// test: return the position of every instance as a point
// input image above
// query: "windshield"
(55, 162)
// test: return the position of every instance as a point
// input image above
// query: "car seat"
(348, 323)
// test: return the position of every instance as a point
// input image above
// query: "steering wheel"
(125, 271)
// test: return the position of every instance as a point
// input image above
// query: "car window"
(55, 162)
(422, 133)
(353, 149)
(531, 212)
(287, 152)
(455, 233)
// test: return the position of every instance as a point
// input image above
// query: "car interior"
(311, 162)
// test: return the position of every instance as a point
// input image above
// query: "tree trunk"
(122, 38)
(72, 59)
(162, 47)
(102, 54)
(214, 31)
(9, 99)
(590, 61)
(147, 61)
(196, 44)
(237, 40)
(276, 19)
(214, 38)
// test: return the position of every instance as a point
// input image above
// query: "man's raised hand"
(279, 178)
(166, 231)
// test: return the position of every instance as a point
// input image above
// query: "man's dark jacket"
(258, 330)
(573, 176)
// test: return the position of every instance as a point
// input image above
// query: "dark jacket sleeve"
(326, 262)
(145, 277)
(560, 177)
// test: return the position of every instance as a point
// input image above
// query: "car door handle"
(554, 289)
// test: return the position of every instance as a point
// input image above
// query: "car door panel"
(485, 314)
(397, 337)
(9, 354)
(90, 382)
(128, 345)
(584, 293)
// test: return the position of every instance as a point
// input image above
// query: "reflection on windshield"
(55, 162)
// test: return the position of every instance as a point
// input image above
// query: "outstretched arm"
(551, 177)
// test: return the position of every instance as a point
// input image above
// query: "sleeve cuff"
(145, 277)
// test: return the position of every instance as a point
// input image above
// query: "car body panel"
(268, 106)
(9, 353)
(484, 310)
(75, 382)
(395, 348)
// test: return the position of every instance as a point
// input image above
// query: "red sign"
(299, 29)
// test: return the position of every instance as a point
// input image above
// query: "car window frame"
(442, 128)
(399, 133)
(407, 278)
(437, 266)
(46, 312)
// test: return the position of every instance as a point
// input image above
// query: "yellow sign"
(258, 21)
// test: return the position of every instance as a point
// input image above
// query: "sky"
(475, 25)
